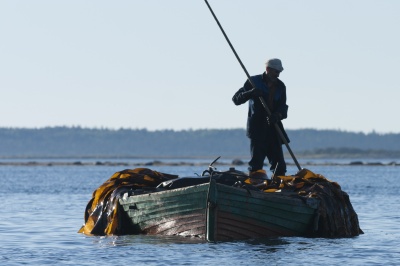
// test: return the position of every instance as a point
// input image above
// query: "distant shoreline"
(182, 163)
(64, 143)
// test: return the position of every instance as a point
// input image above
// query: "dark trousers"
(271, 148)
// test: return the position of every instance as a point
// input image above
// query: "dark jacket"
(257, 124)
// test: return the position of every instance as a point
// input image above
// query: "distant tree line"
(89, 142)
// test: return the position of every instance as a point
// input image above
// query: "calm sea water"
(43, 207)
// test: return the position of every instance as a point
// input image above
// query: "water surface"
(43, 208)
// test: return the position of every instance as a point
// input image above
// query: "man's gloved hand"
(255, 92)
(273, 118)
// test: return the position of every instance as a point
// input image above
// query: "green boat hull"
(218, 212)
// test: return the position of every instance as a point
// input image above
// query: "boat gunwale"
(270, 196)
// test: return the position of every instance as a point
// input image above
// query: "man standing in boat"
(264, 140)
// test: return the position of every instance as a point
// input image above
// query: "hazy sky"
(160, 64)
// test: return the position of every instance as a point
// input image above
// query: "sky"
(159, 64)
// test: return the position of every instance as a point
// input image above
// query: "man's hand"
(273, 118)
(255, 92)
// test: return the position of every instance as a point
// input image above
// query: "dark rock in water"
(99, 163)
(375, 163)
(153, 163)
(237, 162)
(356, 163)
(77, 163)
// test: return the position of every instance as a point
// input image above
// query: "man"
(264, 139)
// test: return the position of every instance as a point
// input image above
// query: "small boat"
(219, 212)
(220, 206)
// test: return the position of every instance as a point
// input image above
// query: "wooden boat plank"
(176, 206)
(230, 225)
(262, 205)
(271, 219)
(190, 229)
(165, 195)
(259, 226)
(278, 199)
(179, 225)
(140, 217)
(260, 212)
(299, 207)
(160, 202)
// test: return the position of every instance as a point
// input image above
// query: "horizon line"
(188, 129)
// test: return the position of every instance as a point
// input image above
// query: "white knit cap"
(275, 63)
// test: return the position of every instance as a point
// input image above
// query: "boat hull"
(219, 212)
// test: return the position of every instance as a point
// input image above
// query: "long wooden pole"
(278, 130)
